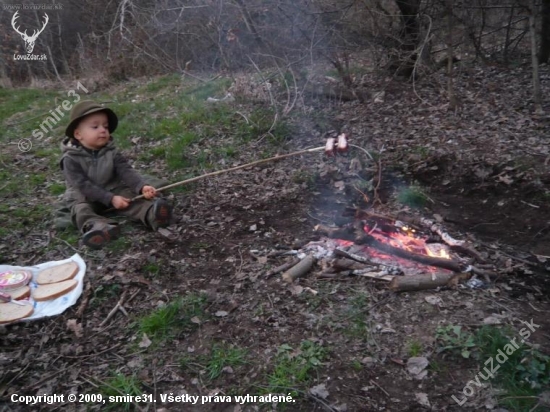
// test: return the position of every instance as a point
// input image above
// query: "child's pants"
(84, 214)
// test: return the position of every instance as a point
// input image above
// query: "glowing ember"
(406, 238)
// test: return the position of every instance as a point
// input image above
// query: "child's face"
(93, 131)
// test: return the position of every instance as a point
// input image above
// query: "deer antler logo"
(29, 40)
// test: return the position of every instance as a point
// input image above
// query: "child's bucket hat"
(83, 109)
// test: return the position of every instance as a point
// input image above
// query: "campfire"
(411, 253)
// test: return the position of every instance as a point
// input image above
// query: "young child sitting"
(98, 178)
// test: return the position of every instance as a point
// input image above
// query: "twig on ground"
(67, 243)
(83, 357)
(379, 387)
(117, 307)
(85, 300)
(322, 403)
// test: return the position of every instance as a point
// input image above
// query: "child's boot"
(99, 233)
(162, 213)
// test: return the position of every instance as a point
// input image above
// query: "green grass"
(105, 292)
(160, 83)
(152, 268)
(119, 245)
(294, 369)
(523, 376)
(211, 366)
(222, 357)
(56, 188)
(414, 348)
(23, 101)
(452, 338)
(174, 318)
(120, 385)
(70, 235)
(520, 374)
(412, 196)
(355, 317)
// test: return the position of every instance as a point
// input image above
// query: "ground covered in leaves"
(202, 315)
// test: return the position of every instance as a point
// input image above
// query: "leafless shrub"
(135, 37)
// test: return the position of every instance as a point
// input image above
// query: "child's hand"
(120, 202)
(148, 192)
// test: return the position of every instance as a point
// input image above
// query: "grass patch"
(521, 372)
(118, 245)
(152, 268)
(22, 101)
(160, 83)
(174, 318)
(412, 196)
(355, 317)
(120, 385)
(104, 293)
(56, 189)
(414, 348)
(524, 372)
(294, 369)
(452, 338)
(211, 366)
(70, 235)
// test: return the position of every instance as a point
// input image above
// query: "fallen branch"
(422, 282)
(299, 269)
(285, 266)
(85, 300)
(352, 256)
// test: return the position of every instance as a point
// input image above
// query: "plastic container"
(13, 279)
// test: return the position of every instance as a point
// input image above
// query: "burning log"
(357, 258)
(365, 239)
(459, 246)
(299, 269)
(359, 237)
(425, 281)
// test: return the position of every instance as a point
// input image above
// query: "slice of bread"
(53, 290)
(57, 274)
(19, 293)
(10, 312)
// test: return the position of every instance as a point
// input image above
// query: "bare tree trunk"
(544, 52)
(507, 41)
(450, 88)
(537, 97)
(409, 35)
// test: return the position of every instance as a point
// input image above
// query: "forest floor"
(203, 318)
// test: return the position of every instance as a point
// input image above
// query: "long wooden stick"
(219, 172)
